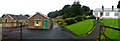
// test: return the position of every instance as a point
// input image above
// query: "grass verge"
(81, 28)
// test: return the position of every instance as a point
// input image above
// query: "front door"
(45, 24)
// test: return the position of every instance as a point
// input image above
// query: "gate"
(12, 34)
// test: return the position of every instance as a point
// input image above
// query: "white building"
(106, 12)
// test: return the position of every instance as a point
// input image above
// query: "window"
(38, 22)
(107, 13)
(116, 14)
(96, 14)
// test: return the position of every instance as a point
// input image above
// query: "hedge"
(70, 21)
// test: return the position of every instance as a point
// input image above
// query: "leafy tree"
(71, 11)
(27, 15)
(91, 12)
(118, 6)
(85, 8)
(3, 15)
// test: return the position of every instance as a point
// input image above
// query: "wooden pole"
(20, 32)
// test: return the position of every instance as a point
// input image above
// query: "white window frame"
(107, 14)
(116, 14)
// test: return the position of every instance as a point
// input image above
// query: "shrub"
(70, 21)
(92, 17)
(78, 18)
(84, 17)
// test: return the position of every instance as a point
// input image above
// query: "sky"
(30, 7)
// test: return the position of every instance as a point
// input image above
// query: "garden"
(0, 25)
(79, 25)
(111, 33)
(111, 22)
(82, 27)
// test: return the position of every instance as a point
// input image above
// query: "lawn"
(80, 28)
(113, 34)
(0, 25)
(111, 22)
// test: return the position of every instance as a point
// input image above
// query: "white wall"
(111, 15)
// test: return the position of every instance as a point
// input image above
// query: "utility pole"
(20, 31)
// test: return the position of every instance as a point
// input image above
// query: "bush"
(70, 21)
(92, 17)
(78, 18)
(84, 17)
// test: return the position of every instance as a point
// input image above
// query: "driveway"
(0, 33)
(55, 33)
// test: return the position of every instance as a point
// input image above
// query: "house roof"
(40, 14)
(16, 16)
(106, 10)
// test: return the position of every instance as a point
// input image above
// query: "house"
(10, 20)
(106, 12)
(39, 21)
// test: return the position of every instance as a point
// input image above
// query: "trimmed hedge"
(70, 21)
(78, 18)
(91, 17)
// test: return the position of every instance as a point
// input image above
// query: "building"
(106, 12)
(39, 21)
(10, 20)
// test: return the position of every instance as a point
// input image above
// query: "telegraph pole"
(20, 31)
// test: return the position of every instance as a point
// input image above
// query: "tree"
(51, 15)
(91, 12)
(3, 15)
(118, 6)
(69, 11)
(85, 8)
(27, 15)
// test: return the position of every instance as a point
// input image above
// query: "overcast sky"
(45, 6)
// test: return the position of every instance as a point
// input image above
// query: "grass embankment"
(82, 27)
(111, 33)
(111, 22)
(0, 25)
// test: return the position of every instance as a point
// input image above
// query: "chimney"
(102, 8)
(112, 8)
